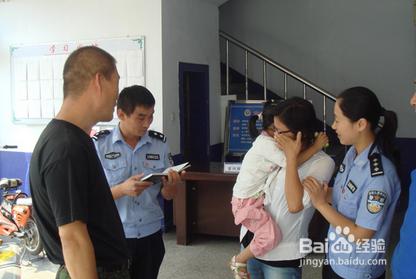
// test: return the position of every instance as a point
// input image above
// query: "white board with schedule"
(36, 74)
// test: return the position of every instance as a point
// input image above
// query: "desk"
(202, 205)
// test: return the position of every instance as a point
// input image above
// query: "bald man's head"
(81, 67)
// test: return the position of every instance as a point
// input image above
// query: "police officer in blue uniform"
(403, 261)
(366, 188)
(127, 153)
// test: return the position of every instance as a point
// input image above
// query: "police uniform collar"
(362, 158)
(146, 138)
(117, 134)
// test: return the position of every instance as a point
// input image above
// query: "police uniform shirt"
(405, 252)
(366, 192)
(141, 215)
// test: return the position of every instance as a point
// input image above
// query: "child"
(263, 159)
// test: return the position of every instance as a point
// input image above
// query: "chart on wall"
(237, 136)
(36, 74)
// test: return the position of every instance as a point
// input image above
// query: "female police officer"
(365, 191)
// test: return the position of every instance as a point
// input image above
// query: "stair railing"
(268, 61)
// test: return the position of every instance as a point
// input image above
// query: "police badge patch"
(376, 165)
(112, 155)
(341, 168)
(150, 156)
(375, 201)
(351, 186)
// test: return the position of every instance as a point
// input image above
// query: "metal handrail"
(270, 61)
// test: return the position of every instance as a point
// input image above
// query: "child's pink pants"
(251, 214)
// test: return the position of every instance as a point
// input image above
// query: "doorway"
(194, 114)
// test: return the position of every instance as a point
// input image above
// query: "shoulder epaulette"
(157, 135)
(100, 134)
(376, 165)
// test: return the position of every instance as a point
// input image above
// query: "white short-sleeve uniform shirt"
(293, 225)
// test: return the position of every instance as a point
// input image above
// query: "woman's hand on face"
(291, 147)
(317, 191)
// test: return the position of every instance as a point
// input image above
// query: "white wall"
(190, 35)
(335, 44)
(43, 21)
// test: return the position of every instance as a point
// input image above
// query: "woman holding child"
(294, 123)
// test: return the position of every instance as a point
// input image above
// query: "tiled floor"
(205, 258)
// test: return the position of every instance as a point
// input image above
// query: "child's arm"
(321, 140)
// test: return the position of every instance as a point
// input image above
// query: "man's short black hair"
(133, 96)
(81, 67)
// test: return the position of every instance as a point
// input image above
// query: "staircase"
(245, 88)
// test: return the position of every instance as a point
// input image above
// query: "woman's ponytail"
(252, 129)
(386, 135)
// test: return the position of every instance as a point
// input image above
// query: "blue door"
(194, 114)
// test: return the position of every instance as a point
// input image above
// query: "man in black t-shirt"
(73, 206)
